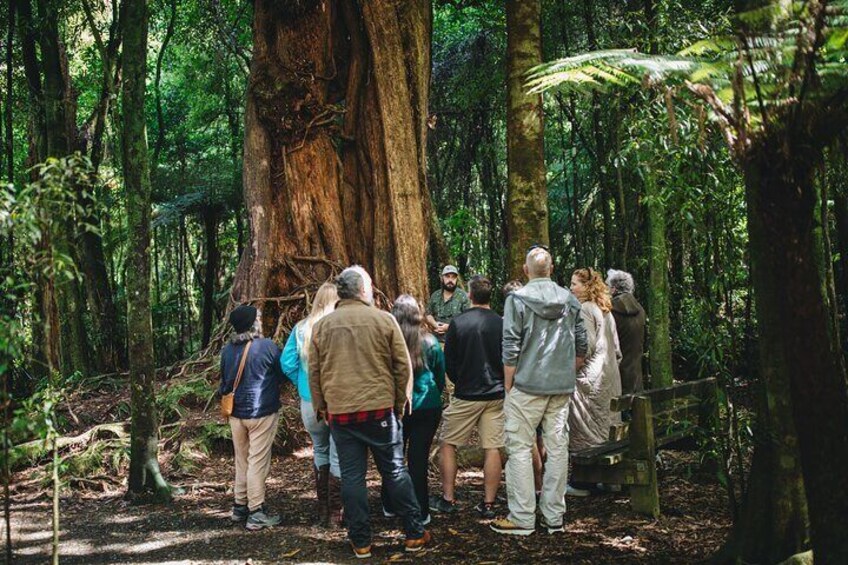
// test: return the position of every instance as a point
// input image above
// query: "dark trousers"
(419, 428)
(384, 439)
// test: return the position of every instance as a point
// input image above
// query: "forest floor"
(99, 526)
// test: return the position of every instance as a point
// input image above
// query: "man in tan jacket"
(360, 377)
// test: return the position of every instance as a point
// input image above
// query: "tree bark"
(659, 344)
(210, 271)
(145, 474)
(349, 189)
(527, 193)
(840, 204)
(800, 366)
(110, 353)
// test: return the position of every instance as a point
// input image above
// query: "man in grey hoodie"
(544, 343)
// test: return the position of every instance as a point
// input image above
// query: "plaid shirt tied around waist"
(358, 417)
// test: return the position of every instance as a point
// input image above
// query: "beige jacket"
(358, 361)
(590, 418)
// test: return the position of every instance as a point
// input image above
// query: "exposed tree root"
(33, 451)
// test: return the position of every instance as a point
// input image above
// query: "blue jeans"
(385, 440)
(323, 446)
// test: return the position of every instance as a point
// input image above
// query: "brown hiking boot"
(334, 502)
(361, 552)
(322, 491)
(415, 545)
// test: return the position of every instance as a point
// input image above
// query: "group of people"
(536, 381)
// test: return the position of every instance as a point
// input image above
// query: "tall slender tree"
(527, 193)
(145, 475)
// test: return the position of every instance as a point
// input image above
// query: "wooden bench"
(659, 418)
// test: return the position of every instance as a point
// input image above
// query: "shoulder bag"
(227, 399)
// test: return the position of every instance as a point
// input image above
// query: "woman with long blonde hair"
(295, 363)
(598, 380)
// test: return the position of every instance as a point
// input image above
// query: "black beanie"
(242, 318)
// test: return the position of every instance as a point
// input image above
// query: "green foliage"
(173, 400)
(764, 66)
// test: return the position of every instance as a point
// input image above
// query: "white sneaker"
(572, 491)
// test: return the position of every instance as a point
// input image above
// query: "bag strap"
(241, 365)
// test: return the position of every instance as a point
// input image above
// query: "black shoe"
(261, 518)
(439, 504)
(240, 513)
(551, 529)
(486, 510)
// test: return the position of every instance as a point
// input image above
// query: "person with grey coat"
(544, 343)
(630, 325)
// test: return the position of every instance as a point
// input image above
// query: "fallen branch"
(36, 449)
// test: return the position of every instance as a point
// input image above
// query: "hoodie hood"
(626, 304)
(545, 298)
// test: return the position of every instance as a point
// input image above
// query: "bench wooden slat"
(590, 456)
(657, 396)
(618, 432)
(628, 472)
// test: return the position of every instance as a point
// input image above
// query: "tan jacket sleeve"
(315, 370)
(401, 367)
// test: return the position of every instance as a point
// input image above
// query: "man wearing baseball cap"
(446, 303)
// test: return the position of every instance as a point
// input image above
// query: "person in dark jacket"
(256, 406)
(473, 360)
(630, 323)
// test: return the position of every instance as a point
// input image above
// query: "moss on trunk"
(659, 344)
(527, 193)
(801, 368)
(145, 475)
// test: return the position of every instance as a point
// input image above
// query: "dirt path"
(102, 528)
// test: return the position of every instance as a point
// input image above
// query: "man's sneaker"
(240, 513)
(388, 513)
(486, 510)
(361, 552)
(506, 526)
(261, 518)
(572, 491)
(439, 504)
(551, 529)
(415, 545)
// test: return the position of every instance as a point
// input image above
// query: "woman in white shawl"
(598, 380)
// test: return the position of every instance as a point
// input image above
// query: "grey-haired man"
(544, 342)
(360, 377)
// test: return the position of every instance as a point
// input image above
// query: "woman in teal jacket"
(419, 426)
(295, 363)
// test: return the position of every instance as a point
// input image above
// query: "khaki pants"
(252, 440)
(524, 412)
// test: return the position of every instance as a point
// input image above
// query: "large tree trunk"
(800, 367)
(527, 193)
(334, 149)
(144, 432)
